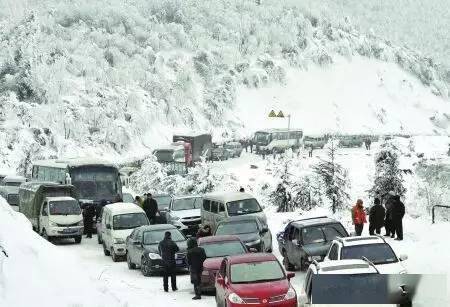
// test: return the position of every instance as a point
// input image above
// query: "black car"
(142, 248)
(249, 229)
(305, 240)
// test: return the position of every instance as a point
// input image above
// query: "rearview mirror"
(108, 226)
(290, 275)
(403, 257)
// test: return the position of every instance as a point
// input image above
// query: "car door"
(43, 217)
(220, 289)
(138, 248)
(108, 231)
(289, 244)
(333, 252)
(265, 235)
(214, 212)
(220, 214)
(296, 247)
(206, 216)
(129, 244)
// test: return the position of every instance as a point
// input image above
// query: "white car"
(184, 213)
(374, 248)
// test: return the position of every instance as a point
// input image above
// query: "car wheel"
(114, 257)
(77, 239)
(287, 265)
(145, 269)
(46, 236)
(105, 251)
(131, 265)
(99, 239)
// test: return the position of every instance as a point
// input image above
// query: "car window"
(156, 236)
(377, 253)
(311, 235)
(186, 203)
(129, 220)
(255, 272)
(223, 267)
(221, 208)
(334, 231)
(244, 206)
(139, 235)
(297, 234)
(333, 255)
(235, 228)
(291, 231)
(214, 207)
(44, 209)
(206, 205)
(222, 249)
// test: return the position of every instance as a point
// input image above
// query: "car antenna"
(370, 263)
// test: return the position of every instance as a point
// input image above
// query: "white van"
(118, 222)
(219, 206)
(61, 217)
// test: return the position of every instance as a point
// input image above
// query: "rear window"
(377, 253)
(244, 206)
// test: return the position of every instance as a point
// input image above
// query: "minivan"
(118, 221)
(219, 206)
(11, 195)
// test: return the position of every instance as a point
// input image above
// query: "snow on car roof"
(347, 266)
(228, 196)
(157, 227)
(59, 198)
(315, 221)
(73, 162)
(352, 241)
(118, 208)
(249, 258)
(214, 239)
(185, 196)
(14, 179)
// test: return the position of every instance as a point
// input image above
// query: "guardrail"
(432, 211)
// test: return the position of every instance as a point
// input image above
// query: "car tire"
(114, 257)
(77, 239)
(144, 268)
(105, 251)
(287, 265)
(131, 265)
(99, 239)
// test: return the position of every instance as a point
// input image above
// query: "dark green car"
(142, 248)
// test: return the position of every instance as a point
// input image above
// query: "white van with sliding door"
(118, 222)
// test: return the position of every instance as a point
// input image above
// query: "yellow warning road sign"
(272, 114)
(280, 114)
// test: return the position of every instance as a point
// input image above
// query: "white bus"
(277, 140)
(94, 180)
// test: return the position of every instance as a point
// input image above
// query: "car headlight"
(256, 242)
(235, 299)
(290, 294)
(154, 256)
(119, 241)
(312, 258)
(80, 223)
(52, 224)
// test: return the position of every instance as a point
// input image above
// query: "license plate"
(179, 261)
(67, 230)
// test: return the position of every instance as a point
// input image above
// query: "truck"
(173, 157)
(196, 146)
(53, 209)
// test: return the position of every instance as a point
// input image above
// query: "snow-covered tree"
(388, 176)
(334, 177)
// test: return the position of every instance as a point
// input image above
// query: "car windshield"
(128, 198)
(162, 201)
(377, 253)
(235, 228)
(129, 220)
(244, 206)
(95, 182)
(311, 235)
(222, 249)
(262, 137)
(186, 203)
(13, 199)
(64, 207)
(256, 272)
(12, 183)
(334, 231)
(156, 236)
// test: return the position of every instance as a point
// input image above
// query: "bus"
(277, 140)
(94, 180)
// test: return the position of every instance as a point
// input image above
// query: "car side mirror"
(108, 226)
(403, 257)
(264, 230)
(290, 275)
(220, 280)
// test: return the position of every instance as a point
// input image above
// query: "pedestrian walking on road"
(167, 249)
(310, 151)
(376, 217)
(359, 217)
(195, 258)
(89, 215)
(388, 225)
(398, 212)
(150, 207)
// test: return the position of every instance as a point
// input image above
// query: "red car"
(256, 279)
(216, 248)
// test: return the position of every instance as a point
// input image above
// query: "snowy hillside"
(33, 270)
(117, 77)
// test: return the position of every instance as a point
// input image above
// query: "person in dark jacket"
(167, 249)
(376, 217)
(388, 219)
(195, 258)
(204, 231)
(398, 212)
(150, 207)
(89, 215)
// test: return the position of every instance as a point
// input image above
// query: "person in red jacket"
(359, 217)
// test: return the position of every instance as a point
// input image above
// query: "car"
(353, 267)
(315, 142)
(308, 239)
(11, 195)
(118, 222)
(184, 213)
(216, 248)
(142, 248)
(350, 141)
(249, 229)
(256, 279)
(374, 248)
(219, 206)
(163, 201)
(13, 181)
(219, 153)
(234, 148)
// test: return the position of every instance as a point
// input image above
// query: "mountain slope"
(116, 78)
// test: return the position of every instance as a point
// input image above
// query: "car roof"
(228, 196)
(185, 196)
(59, 198)
(240, 218)
(156, 227)
(363, 240)
(322, 220)
(74, 162)
(249, 258)
(14, 179)
(347, 266)
(213, 239)
(118, 208)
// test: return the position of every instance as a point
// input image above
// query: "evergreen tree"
(388, 176)
(333, 177)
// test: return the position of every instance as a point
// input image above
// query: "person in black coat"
(398, 212)
(150, 207)
(388, 220)
(167, 249)
(195, 258)
(376, 217)
(89, 215)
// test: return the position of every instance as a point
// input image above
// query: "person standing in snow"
(242, 190)
(310, 151)
(359, 217)
(398, 212)
(195, 258)
(150, 207)
(388, 225)
(376, 217)
(250, 143)
(167, 249)
(138, 201)
(89, 214)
